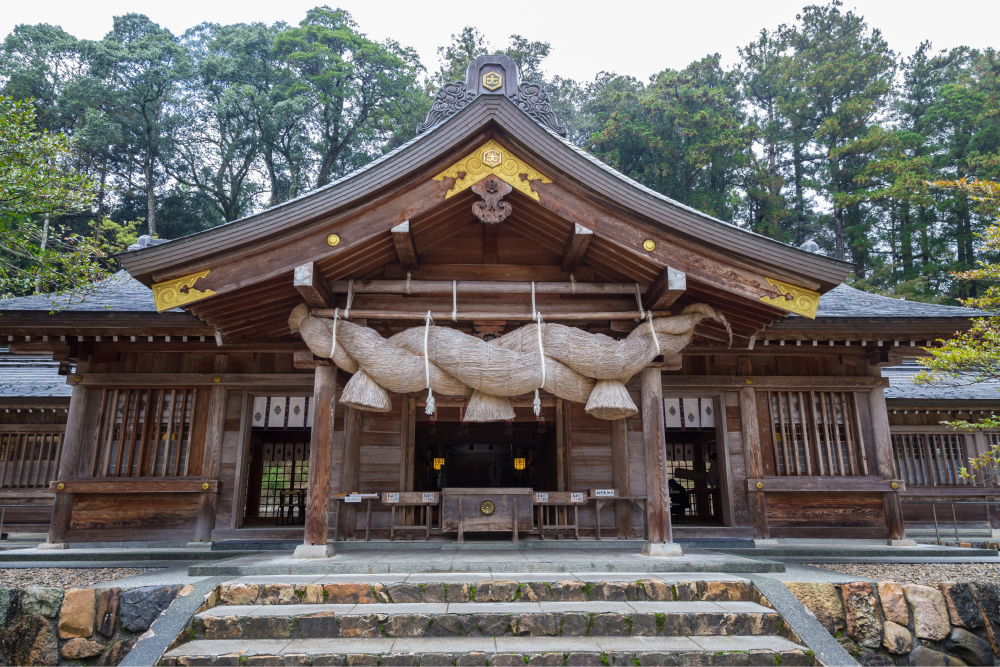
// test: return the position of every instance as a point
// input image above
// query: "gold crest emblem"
(492, 81)
(492, 157)
(487, 507)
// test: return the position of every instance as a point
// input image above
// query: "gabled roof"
(31, 376)
(117, 293)
(846, 301)
(902, 389)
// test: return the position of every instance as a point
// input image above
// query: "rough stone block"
(989, 598)
(240, 594)
(757, 657)
(362, 626)
(447, 625)
(972, 649)
(677, 625)
(657, 659)
(297, 660)
(458, 593)
(277, 594)
(962, 607)
(506, 659)
(574, 624)
(222, 627)
(80, 648)
(896, 639)
(568, 591)
(76, 616)
(471, 659)
(349, 594)
(106, 616)
(31, 640)
(731, 659)
(194, 660)
(232, 660)
(41, 601)
(609, 591)
(724, 591)
(921, 655)
(328, 660)
(362, 659)
(687, 591)
(546, 659)
(141, 606)
(434, 593)
(501, 590)
(707, 624)
(311, 594)
(795, 658)
(381, 593)
(694, 658)
(490, 625)
(263, 661)
(584, 660)
(610, 625)
(318, 626)
(893, 603)
(657, 591)
(408, 625)
(436, 660)
(644, 625)
(536, 625)
(399, 660)
(406, 594)
(10, 602)
(823, 601)
(861, 612)
(266, 627)
(930, 612)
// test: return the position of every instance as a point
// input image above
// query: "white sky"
(637, 38)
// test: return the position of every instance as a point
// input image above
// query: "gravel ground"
(58, 577)
(920, 573)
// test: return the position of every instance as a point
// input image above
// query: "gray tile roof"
(31, 376)
(901, 387)
(118, 293)
(845, 301)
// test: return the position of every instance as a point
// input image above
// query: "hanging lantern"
(519, 463)
(438, 463)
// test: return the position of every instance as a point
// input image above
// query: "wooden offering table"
(422, 502)
(553, 512)
(486, 510)
(601, 496)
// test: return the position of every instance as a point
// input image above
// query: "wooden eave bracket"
(311, 285)
(179, 291)
(666, 289)
(402, 237)
(576, 248)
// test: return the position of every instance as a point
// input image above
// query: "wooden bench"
(422, 502)
(551, 504)
(601, 496)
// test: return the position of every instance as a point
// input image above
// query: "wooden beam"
(309, 282)
(576, 247)
(824, 484)
(818, 382)
(620, 477)
(445, 316)
(482, 287)
(145, 485)
(669, 286)
(320, 455)
(402, 236)
(657, 498)
(256, 380)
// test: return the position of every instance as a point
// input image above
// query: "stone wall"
(52, 626)
(887, 623)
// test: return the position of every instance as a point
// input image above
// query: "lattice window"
(144, 433)
(284, 478)
(29, 460)
(930, 459)
(816, 433)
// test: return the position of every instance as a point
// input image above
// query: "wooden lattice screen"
(29, 460)
(144, 433)
(930, 459)
(816, 433)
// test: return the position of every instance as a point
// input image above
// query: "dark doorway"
(277, 479)
(493, 455)
(694, 473)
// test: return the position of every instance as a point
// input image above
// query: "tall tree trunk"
(800, 213)
(147, 171)
(906, 243)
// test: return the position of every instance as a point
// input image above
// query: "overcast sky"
(637, 38)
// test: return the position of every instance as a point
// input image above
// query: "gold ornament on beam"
(173, 293)
(492, 158)
(794, 299)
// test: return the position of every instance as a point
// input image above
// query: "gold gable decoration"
(171, 294)
(492, 158)
(803, 302)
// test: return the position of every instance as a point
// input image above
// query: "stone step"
(576, 619)
(482, 591)
(499, 652)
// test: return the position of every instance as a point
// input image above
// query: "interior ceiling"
(260, 311)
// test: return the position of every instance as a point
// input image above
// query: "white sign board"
(427, 497)
(391, 498)
(576, 497)
(604, 493)
(352, 499)
(541, 497)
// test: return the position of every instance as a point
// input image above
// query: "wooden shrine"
(483, 328)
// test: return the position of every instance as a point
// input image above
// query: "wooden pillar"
(661, 542)
(981, 445)
(69, 462)
(351, 467)
(753, 458)
(620, 479)
(211, 461)
(884, 460)
(320, 455)
(560, 447)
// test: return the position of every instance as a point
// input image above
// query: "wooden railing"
(29, 459)
(816, 433)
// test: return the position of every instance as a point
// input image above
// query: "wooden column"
(981, 445)
(754, 461)
(560, 447)
(69, 463)
(320, 455)
(211, 461)
(884, 461)
(351, 467)
(620, 479)
(654, 443)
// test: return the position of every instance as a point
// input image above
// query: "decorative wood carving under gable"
(492, 158)
(492, 210)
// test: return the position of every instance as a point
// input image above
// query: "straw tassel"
(427, 366)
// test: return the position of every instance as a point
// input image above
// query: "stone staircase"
(346, 620)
